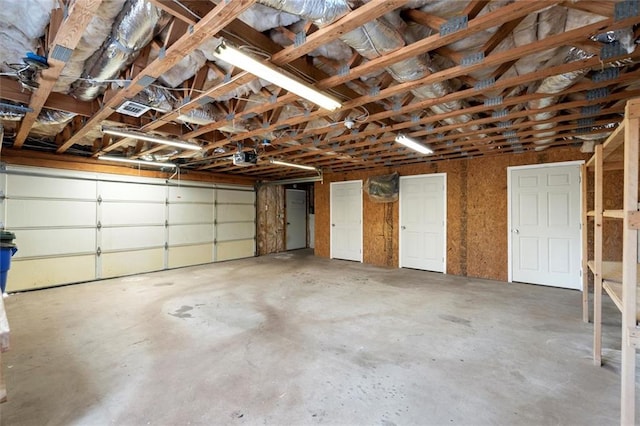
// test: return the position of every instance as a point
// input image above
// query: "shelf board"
(612, 282)
(614, 290)
(591, 213)
(616, 214)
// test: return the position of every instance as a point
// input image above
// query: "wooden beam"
(284, 56)
(177, 10)
(602, 7)
(73, 162)
(11, 90)
(480, 23)
(67, 37)
(206, 28)
(474, 8)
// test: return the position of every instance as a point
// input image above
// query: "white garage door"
(191, 226)
(235, 224)
(55, 219)
(131, 228)
(79, 226)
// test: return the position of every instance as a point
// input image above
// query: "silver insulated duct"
(133, 29)
(372, 40)
(552, 85)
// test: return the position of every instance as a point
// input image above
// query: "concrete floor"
(295, 339)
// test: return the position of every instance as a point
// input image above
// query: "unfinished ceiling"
(469, 78)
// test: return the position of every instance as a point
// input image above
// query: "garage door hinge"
(99, 199)
(634, 336)
(166, 223)
(99, 251)
(166, 246)
(99, 225)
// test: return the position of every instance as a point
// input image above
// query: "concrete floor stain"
(182, 312)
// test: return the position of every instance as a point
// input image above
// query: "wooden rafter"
(67, 37)
(210, 25)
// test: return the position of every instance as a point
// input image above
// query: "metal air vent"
(134, 109)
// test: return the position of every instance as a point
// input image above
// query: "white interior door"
(545, 225)
(423, 222)
(346, 220)
(296, 211)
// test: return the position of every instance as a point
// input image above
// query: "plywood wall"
(270, 218)
(476, 212)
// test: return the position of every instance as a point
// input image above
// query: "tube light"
(138, 162)
(298, 166)
(149, 138)
(239, 59)
(413, 144)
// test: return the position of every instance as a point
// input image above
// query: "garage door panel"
(190, 234)
(235, 231)
(127, 191)
(235, 196)
(63, 219)
(190, 213)
(127, 238)
(132, 262)
(49, 187)
(234, 250)
(131, 213)
(190, 195)
(40, 273)
(33, 213)
(231, 213)
(190, 255)
(52, 242)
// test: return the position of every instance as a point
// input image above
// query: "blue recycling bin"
(7, 250)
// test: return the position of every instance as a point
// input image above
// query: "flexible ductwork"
(373, 40)
(157, 98)
(558, 83)
(11, 112)
(50, 116)
(552, 85)
(133, 29)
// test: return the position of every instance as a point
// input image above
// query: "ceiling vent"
(134, 109)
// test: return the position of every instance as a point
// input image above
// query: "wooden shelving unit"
(618, 279)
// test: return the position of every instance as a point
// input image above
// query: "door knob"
(516, 231)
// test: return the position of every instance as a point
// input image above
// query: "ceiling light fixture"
(149, 138)
(137, 162)
(413, 144)
(297, 166)
(239, 59)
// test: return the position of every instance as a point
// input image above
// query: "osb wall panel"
(322, 197)
(271, 236)
(487, 218)
(476, 212)
(612, 199)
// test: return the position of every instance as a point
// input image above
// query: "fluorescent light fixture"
(413, 144)
(239, 59)
(149, 138)
(297, 166)
(137, 162)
